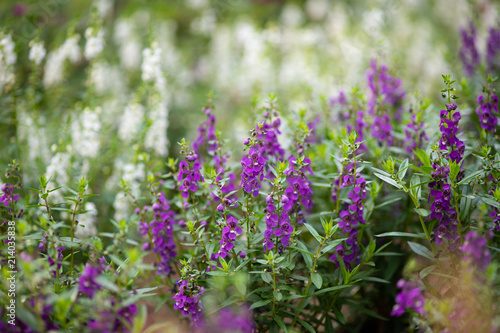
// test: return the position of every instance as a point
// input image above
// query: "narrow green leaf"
(313, 232)
(317, 280)
(421, 250)
(422, 212)
(400, 234)
(260, 304)
(426, 271)
(280, 322)
(422, 156)
(307, 326)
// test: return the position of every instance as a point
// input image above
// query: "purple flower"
(351, 216)
(449, 128)
(229, 233)
(414, 135)
(475, 250)
(87, 282)
(189, 175)
(161, 230)
(188, 300)
(493, 50)
(384, 90)
(487, 111)
(8, 195)
(410, 297)
(468, 51)
(442, 209)
(231, 321)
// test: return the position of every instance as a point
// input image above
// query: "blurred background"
(106, 89)
(117, 83)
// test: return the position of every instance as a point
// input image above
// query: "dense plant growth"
(373, 207)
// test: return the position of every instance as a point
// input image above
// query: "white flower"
(151, 68)
(86, 133)
(131, 122)
(37, 53)
(95, 43)
(7, 60)
(54, 67)
(70, 49)
(7, 47)
(86, 222)
(156, 137)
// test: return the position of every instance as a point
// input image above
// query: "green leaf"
(375, 279)
(422, 212)
(336, 288)
(103, 281)
(280, 323)
(388, 202)
(487, 199)
(306, 326)
(332, 245)
(277, 295)
(267, 277)
(388, 180)
(400, 234)
(422, 156)
(426, 271)
(307, 258)
(260, 304)
(317, 280)
(472, 175)
(421, 250)
(403, 167)
(140, 319)
(301, 250)
(313, 232)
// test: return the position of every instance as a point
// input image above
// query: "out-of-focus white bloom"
(37, 53)
(197, 4)
(8, 59)
(151, 68)
(104, 7)
(7, 47)
(205, 24)
(85, 133)
(131, 122)
(317, 9)
(54, 67)
(95, 43)
(130, 47)
(156, 137)
(291, 16)
(134, 175)
(106, 77)
(87, 222)
(58, 174)
(70, 49)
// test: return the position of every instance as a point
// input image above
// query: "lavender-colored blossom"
(414, 135)
(189, 175)
(410, 297)
(253, 164)
(382, 129)
(384, 89)
(188, 301)
(475, 249)
(468, 53)
(229, 233)
(487, 112)
(231, 321)
(493, 50)
(161, 230)
(442, 209)
(8, 195)
(449, 127)
(206, 134)
(351, 216)
(87, 283)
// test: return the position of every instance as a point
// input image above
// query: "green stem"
(308, 282)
